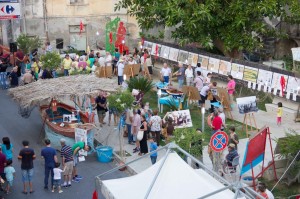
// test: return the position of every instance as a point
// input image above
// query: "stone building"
(60, 19)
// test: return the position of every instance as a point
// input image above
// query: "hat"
(231, 145)
(121, 60)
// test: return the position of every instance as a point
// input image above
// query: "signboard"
(247, 104)
(180, 119)
(10, 10)
(81, 136)
(296, 54)
(219, 141)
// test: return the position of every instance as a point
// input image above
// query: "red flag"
(81, 26)
(156, 51)
(121, 48)
(282, 83)
(110, 37)
(95, 195)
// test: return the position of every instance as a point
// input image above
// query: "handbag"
(140, 135)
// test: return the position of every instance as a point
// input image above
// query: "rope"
(286, 170)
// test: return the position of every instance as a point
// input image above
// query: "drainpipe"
(45, 18)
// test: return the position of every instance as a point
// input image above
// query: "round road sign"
(218, 141)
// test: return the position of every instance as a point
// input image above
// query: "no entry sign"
(218, 141)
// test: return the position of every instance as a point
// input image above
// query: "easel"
(191, 92)
(248, 117)
(104, 71)
(223, 95)
(146, 71)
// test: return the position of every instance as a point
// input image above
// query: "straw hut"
(42, 91)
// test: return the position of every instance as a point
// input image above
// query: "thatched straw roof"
(41, 91)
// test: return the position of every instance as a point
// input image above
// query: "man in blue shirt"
(49, 154)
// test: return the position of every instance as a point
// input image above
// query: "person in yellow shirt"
(279, 113)
(35, 68)
(67, 63)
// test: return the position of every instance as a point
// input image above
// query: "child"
(279, 113)
(9, 174)
(57, 177)
(153, 147)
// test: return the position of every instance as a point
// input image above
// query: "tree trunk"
(232, 54)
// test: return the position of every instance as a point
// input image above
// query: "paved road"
(19, 129)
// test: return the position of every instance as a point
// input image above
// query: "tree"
(228, 25)
(28, 44)
(51, 60)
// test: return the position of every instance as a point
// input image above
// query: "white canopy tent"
(173, 178)
(176, 179)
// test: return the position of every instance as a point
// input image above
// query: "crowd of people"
(61, 171)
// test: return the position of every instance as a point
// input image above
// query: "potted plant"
(51, 61)
(28, 44)
(142, 84)
(190, 140)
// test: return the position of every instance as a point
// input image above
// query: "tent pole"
(157, 173)
(215, 192)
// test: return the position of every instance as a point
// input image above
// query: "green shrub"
(140, 83)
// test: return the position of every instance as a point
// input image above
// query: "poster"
(81, 136)
(154, 49)
(148, 45)
(183, 56)
(173, 55)
(264, 77)
(193, 59)
(213, 65)
(204, 61)
(296, 53)
(247, 104)
(237, 71)
(250, 74)
(164, 52)
(225, 67)
(180, 119)
(276, 81)
(293, 85)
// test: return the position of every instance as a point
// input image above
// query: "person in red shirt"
(216, 123)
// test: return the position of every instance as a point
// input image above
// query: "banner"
(10, 10)
(296, 54)
(81, 136)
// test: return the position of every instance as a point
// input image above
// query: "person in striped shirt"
(67, 162)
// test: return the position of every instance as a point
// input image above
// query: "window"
(72, 2)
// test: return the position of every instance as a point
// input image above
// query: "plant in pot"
(189, 139)
(51, 61)
(142, 84)
(28, 44)
(121, 101)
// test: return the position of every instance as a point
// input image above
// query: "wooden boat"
(54, 119)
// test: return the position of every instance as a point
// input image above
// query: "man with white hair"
(66, 155)
(120, 66)
(166, 73)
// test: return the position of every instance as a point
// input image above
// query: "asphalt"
(19, 129)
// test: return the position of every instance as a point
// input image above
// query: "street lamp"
(203, 112)
(124, 77)
(158, 97)
(97, 33)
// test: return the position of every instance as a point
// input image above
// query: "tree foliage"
(28, 44)
(229, 25)
(51, 60)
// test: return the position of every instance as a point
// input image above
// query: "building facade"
(61, 19)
